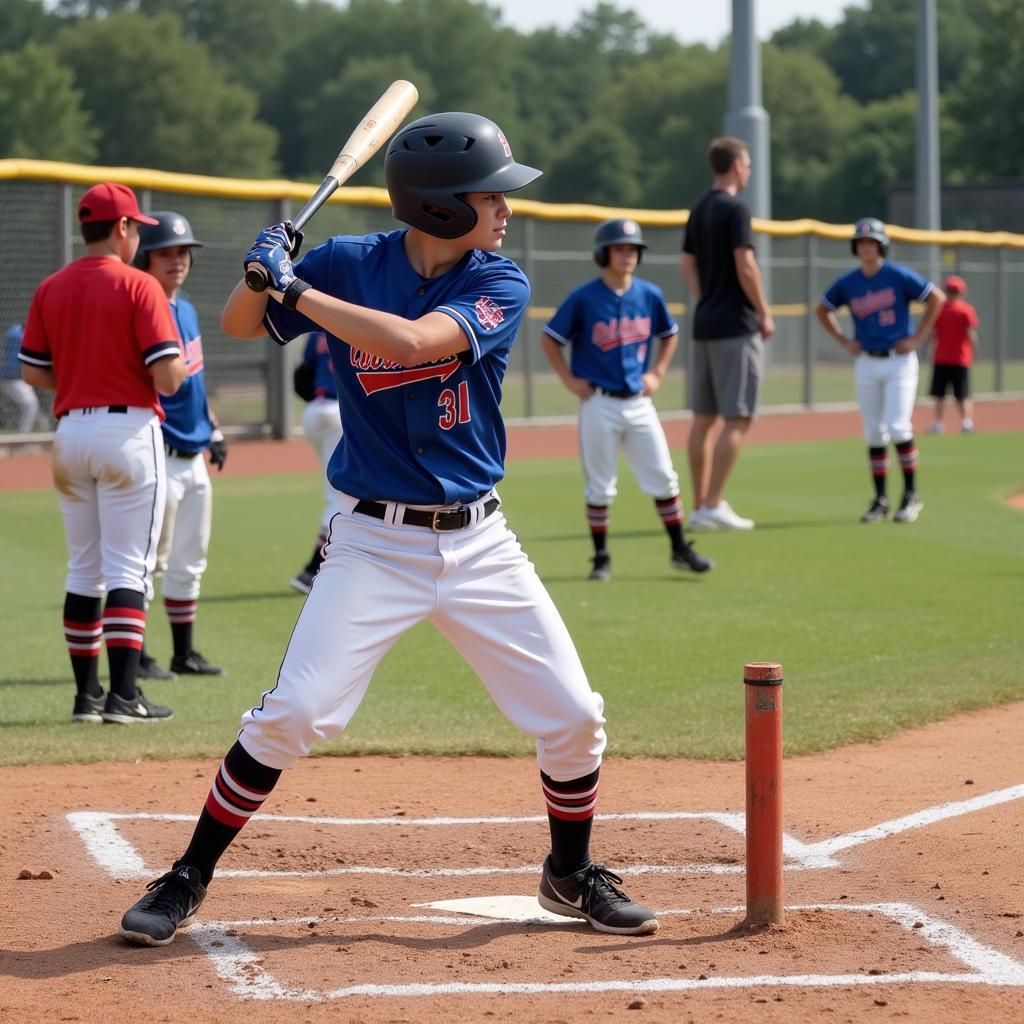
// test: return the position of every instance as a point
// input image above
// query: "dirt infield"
(904, 855)
(545, 440)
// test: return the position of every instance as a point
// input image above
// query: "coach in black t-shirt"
(730, 325)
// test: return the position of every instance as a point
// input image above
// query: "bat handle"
(256, 278)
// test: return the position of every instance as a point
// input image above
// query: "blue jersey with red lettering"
(187, 426)
(318, 356)
(880, 305)
(423, 435)
(611, 334)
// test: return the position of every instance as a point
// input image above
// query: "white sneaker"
(722, 517)
(696, 519)
(968, 427)
(937, 428)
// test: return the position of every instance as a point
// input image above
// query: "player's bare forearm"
(828, 321)
(406, 342)
(749, 275)
(168, 374)
(39, 377)
(932, 307)
(242, 316)
(556, 357)
(688, 268)
(656, 374)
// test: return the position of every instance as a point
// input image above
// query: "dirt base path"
(544, 440)
(905, 855)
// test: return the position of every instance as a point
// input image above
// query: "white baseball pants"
(378, 580)
(109, 471)
(886, 392)
(606, 423)
(321, 422)
(185, 538)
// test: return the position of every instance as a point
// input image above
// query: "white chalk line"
(115, 854)
(241, 968)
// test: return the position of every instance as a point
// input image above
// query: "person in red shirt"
(956, 340)
(100, 334)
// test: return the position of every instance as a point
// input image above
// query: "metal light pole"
(927, 204)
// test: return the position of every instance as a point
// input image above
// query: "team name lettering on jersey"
(489, 313)
(622, 331)
(377, 374)
(872, 302)
(193, 355)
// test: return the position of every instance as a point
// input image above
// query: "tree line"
(613, 112)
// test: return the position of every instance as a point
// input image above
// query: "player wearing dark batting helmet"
(419, 323)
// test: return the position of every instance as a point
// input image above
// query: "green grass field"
(878, 628)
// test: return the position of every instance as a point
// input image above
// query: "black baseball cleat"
(685, 559)
(878, 511)
(138, 709)
(170, 903)
(302, 581)
(602, 567)
(193, 663)
(591, 894)
(88, 708)
(910, 508)
(150, 668)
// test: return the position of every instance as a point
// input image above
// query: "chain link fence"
(250, 382)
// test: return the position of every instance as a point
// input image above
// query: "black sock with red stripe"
(907, 451)
(571, 808)
(670, 511)
(83, 633)
(182, 617)
(598, 517)
(124, 628)
(239, 789)
(879, 460)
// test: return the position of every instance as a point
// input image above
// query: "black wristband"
(291, 294)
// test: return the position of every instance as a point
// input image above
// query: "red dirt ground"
(25, 472)
(61, 961)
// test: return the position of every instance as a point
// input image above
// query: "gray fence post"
(1002, 316)
(530, 268)
(65, 224)
(810, 339)
(279, 366)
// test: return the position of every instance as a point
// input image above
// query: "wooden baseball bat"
(380, 123)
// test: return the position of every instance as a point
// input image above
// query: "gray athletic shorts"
(727, 376)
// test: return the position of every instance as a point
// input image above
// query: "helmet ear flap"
(601, 255)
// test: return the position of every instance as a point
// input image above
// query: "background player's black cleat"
(88, 708)
(138, 709)
(150, 668)
(878, 511)
(591, 895)
(602, 567)
(302, 581)
(170, 903)
(685, 559)
(193, 663)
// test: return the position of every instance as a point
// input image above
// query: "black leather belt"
(178, 453)
(877, 353)
(616, 394)
(98, 408)
(440, 520)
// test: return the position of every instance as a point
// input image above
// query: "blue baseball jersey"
(611, 334)
(10, 364)
(880, 305)
(187, 425)
(423, 435)
(318, 356)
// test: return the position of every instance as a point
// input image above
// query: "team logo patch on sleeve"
(489, 313)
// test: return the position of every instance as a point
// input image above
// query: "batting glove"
(275, 261)
(218, 449)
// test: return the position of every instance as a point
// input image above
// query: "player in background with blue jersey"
(419, 323)
(321, 424)
(878, 294)
(189, 431)
(613, 324)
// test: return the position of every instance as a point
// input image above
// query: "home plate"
(501, 908)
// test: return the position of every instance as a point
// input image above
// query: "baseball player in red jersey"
(956, 340)
(419, 323)
(100, 334)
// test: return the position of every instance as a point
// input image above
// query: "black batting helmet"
(870, 227)
(432, 163)
(619, 231)
(170, 230)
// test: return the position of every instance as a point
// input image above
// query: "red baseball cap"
(111, 201)
(956, 284)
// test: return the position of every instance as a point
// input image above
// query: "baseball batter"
(878, 294)
(189, 430)
(100, 334)
(611, 324)
(419, 323)
(321, 423)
